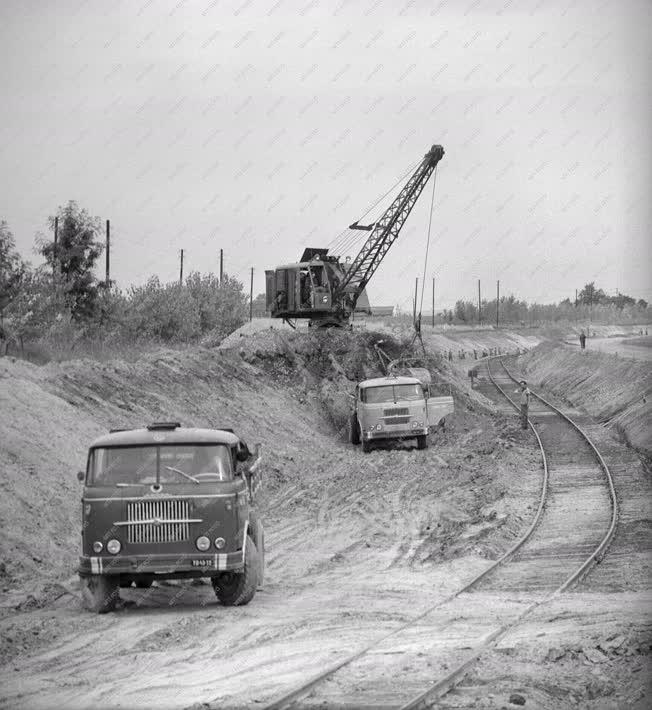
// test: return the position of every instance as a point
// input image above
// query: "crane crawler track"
(436, 642)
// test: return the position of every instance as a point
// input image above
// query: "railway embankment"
(614, 390)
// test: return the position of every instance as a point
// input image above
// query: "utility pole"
(416, 289)
(56, 244)
(575, 298)
(221, 266)
(433, 301)
(479, 305)
(107, 281)
(251, 295)
(497, 300)
(181, 270)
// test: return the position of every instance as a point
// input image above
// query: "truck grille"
(154, 514)
(397, 420)
(396, 412)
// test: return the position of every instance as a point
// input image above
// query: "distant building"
(382, 310)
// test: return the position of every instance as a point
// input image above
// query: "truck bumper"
(206, 564)
(394, 433)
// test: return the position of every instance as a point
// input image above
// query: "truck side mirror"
(81, 475)
(242, 452)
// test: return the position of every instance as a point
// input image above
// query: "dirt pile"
(615, 391)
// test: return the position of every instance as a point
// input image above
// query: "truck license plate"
(202, 563)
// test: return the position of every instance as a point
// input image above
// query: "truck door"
(438, 408)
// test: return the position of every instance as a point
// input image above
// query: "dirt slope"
(356, 544)
(615, 391)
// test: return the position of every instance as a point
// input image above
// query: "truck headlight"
(415, 425)
(98, 546)
(379, 427)
(113, 546)
(220, 542)
(203, 543)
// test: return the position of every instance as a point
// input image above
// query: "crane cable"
(351, 239)
(425, 263)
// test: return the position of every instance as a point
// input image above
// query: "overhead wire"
(348, 237)
(425, 263)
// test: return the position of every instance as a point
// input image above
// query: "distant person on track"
(582, 340)
(525, 403)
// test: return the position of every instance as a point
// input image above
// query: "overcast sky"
(263, 127)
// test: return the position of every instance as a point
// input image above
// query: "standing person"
(525, 403)
(582, 340)
(280, 302)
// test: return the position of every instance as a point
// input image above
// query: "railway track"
(419, 662)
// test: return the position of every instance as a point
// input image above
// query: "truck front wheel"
(239, 588)
(100, 593)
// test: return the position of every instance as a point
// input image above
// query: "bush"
(160, 312)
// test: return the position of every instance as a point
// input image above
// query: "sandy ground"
(357, 545)
(632, 348)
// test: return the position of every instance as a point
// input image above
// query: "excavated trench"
(356, 544)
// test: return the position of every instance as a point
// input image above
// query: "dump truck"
(169, 502)
(396, 407)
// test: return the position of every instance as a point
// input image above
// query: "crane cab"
(309, 289)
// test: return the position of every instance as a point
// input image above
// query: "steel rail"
(305, 688)
(448, 682)
(597, 554)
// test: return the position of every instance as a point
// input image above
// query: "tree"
(74, 258)
(460, 311)
(591, 296)
(221, 307)
(259, 306)
(12, 268)
(641, 303)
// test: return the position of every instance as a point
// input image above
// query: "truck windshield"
(125, 465)
(392, 393)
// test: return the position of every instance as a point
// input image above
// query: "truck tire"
(366, 446)
(354, 430)
(422, 441)
(100, 593)
(239, 588)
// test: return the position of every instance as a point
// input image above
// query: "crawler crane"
(326, 291)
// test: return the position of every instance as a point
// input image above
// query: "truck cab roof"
(155, 435)
(385, 381)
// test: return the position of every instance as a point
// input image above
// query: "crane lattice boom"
(387, 228)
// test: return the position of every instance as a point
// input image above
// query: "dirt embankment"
(356, 544)
(615, 391)
(330, 511)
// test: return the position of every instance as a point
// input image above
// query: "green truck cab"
(168, 502)
(396, 407)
